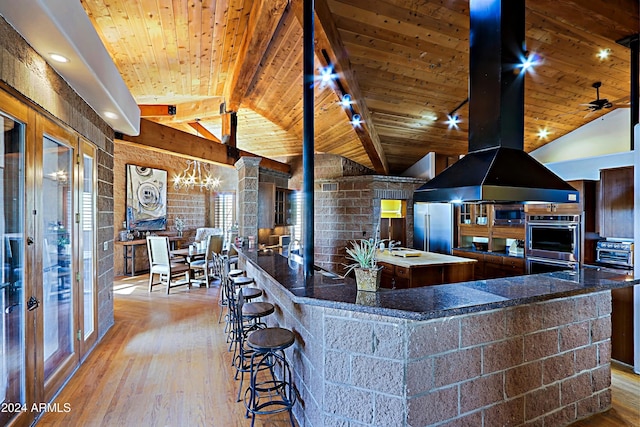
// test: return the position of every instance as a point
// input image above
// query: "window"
(296, 215)
(225, 212)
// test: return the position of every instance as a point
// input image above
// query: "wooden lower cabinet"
(493, 266)
(399, 277)
(622, 325)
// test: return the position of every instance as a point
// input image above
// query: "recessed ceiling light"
(110, 115)
(604, 54)
(59, 58)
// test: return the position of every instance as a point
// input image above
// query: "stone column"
(247, 198)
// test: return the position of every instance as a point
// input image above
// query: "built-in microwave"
(508, 214)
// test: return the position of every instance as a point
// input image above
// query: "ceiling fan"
(598, 103)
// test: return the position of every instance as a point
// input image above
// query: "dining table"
(188, 254)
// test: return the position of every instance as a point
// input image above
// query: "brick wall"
(541, 364)
(193, 206)
(248, 176)
(546, 363)
(353, 212)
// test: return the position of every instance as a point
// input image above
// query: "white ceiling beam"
(63, 27)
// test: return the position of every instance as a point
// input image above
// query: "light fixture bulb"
(453, 121)
(346, 100)
(604, 54)
(356, 120)
(326, 74)
(543, 134)
(529, 61)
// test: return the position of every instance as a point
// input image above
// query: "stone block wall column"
(247, 198)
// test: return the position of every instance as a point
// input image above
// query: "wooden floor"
(164, 363)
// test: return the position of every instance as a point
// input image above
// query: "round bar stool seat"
(271, 339)
(275, 393)
(235, 272)
(242, 281)
(257, 309)
(251, 293)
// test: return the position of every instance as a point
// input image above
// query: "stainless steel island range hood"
(496, 168)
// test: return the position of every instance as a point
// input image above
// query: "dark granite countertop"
(329, 290)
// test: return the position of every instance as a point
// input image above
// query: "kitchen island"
(411, 268)
(514, 351)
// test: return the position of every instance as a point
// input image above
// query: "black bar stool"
(246, 318)
(230, 281)
(273, 391)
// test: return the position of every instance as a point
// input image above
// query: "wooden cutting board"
(405, 254)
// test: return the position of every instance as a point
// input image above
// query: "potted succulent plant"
(363, 254)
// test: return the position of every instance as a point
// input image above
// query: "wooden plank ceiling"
(406, 60)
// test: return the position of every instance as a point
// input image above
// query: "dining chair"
(160, 264)
(208, 265)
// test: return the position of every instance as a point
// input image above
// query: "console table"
(129, 251)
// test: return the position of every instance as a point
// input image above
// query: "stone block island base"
(530, 350)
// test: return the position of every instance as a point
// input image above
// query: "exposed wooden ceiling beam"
(263, 21)
(156, 110)
(203, 131)
(165, 139)
(328, 42)
(192, 110)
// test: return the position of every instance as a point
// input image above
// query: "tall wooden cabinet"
(616, 202)
(266, 205)
(616, 221)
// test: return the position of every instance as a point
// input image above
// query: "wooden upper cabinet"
(616, 202)
(266, 205)
(284, 206)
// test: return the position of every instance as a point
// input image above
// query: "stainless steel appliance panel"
(433, 227)
(555, 237)
(544, 265)
(615, 253)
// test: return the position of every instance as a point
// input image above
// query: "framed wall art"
(146, 198)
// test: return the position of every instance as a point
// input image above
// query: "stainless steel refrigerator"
(433, 227)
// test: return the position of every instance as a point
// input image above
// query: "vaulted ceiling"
(405, 62)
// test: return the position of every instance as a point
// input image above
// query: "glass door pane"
(87, 197)
(12, 317)
(57, 217)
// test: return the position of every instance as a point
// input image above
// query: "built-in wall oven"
(552, 243)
